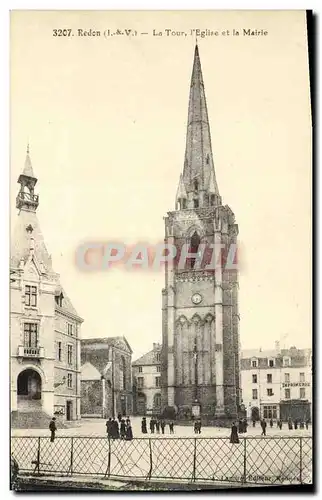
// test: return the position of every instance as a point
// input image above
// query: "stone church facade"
(200, 347)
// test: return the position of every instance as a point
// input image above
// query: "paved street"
(96, 427)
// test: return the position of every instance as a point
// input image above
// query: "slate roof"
(147, 359)
(119, 342)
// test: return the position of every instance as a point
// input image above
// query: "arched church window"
(194, 245)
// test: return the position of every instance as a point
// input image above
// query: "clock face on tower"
(196, 298)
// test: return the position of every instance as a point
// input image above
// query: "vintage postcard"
(160, 261)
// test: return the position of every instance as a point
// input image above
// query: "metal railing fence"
(257, 460)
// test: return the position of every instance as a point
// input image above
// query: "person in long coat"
(157, 426)
(271, 423)
(122, 429)
(143, 426)
(280, 423)
(295, 423)
(240, 426)
(109, 427)
(307, 421)
(152, 425)
(245, 424)
(129, 433)
(171, 427)
(290, 423)
(116, 431)
(234, 434)
(162, 426)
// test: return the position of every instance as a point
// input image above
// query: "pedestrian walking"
(157, 426)
(263, 426)
(245, 425)
(280, 424)
(122, 429)
(295, 424)
(290, 423)
(171, 427)
(195, 427)
(143, 426)
(301, 424)
(271, 423)
(119, 417)
(240, 426)
(254, 423)
(307, 421)
(115, 429)
(162, 426)
(234, 434)
(53, 429)
(152, 425)
(199, 426)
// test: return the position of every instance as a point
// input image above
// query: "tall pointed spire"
(198, 173)
(28, 170)
(26, 199)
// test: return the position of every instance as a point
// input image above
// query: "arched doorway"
(28, 390)
(255, 413)
(141, 404)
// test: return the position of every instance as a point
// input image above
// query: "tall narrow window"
(30, 334)
(195, 185)
(194, 245)
(196, 203)
(70, 380)
(69, 354)
(31, 296)
(59, 351)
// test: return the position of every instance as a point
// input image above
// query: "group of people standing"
(242, 426)
(156, 425)
(119, 428)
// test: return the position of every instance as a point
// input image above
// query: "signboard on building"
(296, 384)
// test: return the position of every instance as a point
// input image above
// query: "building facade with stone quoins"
(200, 337)
(277, 383)
(147, 382)
(44, 326)
(106, 377)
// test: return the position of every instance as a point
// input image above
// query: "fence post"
(108, 469)
(71, 455)
(38, 456)
(151, 462)
(245, 460)
(194, 459)
(301, 460)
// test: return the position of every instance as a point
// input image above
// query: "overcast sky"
(106, 121)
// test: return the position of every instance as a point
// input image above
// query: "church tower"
(200, 346)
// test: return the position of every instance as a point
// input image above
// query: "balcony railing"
(30, 352)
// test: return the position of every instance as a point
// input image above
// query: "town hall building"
(44, 326)
(200, 346)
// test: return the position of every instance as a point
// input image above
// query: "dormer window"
(59, 299)
(271, 362)
(286, 361)
(254, 363)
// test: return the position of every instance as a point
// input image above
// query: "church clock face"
(196, 298)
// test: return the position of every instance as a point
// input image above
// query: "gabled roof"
(147, 359)
(119, 342)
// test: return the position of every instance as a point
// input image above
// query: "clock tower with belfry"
(200, 331)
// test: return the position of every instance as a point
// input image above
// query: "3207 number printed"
(64, 32)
